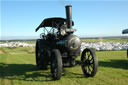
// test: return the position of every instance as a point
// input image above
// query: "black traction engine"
(59, 48)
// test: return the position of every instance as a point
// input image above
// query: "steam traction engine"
(59, 47)
(125, 31)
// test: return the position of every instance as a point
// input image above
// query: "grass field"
(105, 40)
(18, 67)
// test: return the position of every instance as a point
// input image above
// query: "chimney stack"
(69, 16)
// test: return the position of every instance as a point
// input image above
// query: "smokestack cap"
(68, 6)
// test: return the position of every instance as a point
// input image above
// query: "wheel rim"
(87, 63)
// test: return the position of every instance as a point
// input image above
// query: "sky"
(20, 18)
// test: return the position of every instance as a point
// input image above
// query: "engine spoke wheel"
(89, 62)
(56, 64)
(42, 57)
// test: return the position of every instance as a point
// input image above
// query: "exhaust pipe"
(69, 16)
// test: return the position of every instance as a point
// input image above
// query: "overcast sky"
(19, 19)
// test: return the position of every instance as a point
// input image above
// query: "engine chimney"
(69, 16)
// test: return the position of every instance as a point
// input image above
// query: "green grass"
(18, 67)
(105, 40)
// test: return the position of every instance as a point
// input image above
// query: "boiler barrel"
(70, 43)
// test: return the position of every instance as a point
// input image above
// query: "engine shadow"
(122, 64)
(26, 72)
(75, 73)
(29, 72)
(70, 74)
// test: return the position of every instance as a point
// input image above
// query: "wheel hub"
(87, 62)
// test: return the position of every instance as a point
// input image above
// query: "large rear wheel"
(89, 62)
(38, 57)
(56, 64)
(42, 57)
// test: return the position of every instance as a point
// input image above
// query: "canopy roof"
(125, 31)
(53, 22)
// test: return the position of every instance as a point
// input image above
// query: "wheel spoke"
(89, 70)
(91, 66)
(86, 69)
(91, 60)
(89, 55)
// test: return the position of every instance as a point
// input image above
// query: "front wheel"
(56, 64)
(89, 62)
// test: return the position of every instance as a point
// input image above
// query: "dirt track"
(1, 51)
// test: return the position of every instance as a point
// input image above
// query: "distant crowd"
(97, 46)
(15, 44)
(105, 46)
